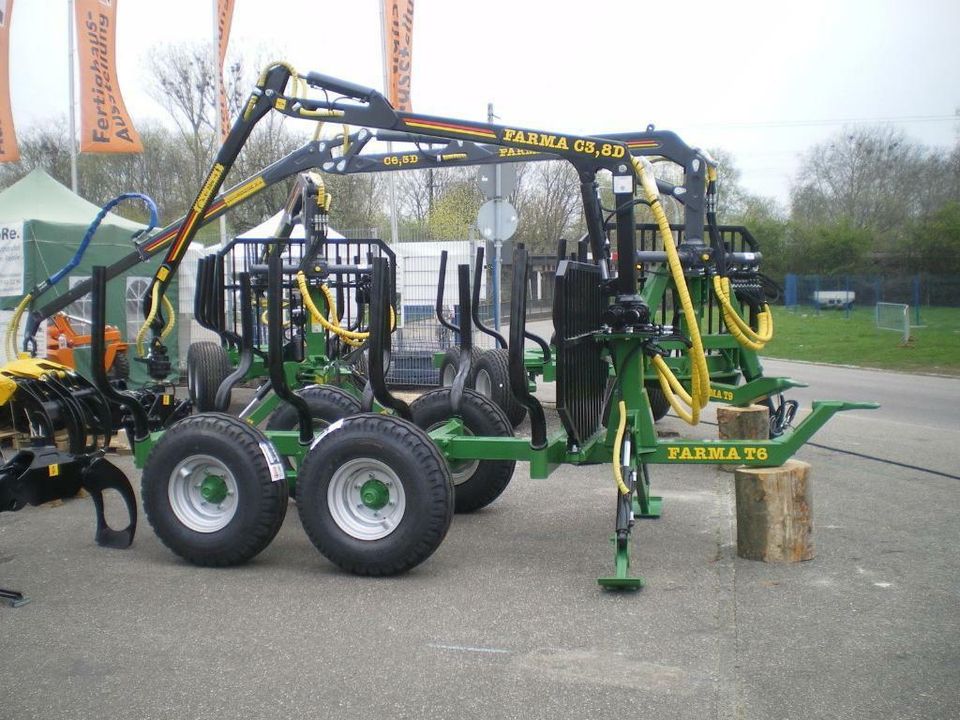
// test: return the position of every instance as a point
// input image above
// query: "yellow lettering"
(700, 453)
(553, 142)
(515, 152)
(209, 186)
(244, 191)
(672, 453)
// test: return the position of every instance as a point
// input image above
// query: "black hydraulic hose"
(141, 428)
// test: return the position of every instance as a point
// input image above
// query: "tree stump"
(743, 423)
(775, 513)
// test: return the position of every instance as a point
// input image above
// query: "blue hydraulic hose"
(92, 229)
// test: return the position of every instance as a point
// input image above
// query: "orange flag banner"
(224, 19)
(398, 51)
(8, 137)
(105, 125)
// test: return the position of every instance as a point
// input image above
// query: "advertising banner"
(398, 51)
(105, 125)
(8, 138)
(224, 19)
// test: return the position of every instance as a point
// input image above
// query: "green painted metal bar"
(763, 453)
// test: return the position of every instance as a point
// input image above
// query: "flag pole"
(394, 231)
(72, 114)
(218, 90)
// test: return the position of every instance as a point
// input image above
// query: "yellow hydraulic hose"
(151, 316)
(13, 328)
(315, 313)
(673, 391)
(332, 310)
(171, 318)
(699, 373)
(738, 327)
(617, 446)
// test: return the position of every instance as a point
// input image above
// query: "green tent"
(41, 226)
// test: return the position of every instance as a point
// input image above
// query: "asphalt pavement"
(506, 620)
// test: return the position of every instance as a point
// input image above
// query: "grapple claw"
(102, 475)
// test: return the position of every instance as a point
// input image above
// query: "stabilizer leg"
(621, 579)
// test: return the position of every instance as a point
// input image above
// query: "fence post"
(790, 291)
(916, 298)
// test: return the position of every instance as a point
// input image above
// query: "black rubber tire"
(261, 501)
(493, 371)
(487, 479)
(327, 405)
(421, 471)
(659, 405)
(120, 370)
(207, 366)
(450, 363)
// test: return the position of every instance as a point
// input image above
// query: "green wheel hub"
(374, 494)
(213, 489)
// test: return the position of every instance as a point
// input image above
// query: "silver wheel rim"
(449, 373)
(460, 470)
(187, 502)
(483, 384)
(347, 508)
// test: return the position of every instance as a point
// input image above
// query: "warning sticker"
(273, 461)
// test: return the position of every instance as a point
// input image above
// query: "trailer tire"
(327, 405)
(207, 367)
(366, 464)
(476, 483)
(209, 491)
(659, 405)
(451, 362)
(492, 380)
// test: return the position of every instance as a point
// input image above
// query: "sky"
(764, 80)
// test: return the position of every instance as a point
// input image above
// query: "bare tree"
(549, 205)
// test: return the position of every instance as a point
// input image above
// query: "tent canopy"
(37, 196)
(41, 226)
(269, 226)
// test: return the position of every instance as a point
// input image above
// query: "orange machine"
(62, 339)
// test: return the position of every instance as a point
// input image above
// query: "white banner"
(11, 259)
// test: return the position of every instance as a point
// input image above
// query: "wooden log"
(775, 513)
(742, 423)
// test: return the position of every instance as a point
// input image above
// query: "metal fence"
(844, 292)
(420, 335)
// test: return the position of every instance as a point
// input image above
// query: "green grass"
(832, 337)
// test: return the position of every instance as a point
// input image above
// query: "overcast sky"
(762, 79)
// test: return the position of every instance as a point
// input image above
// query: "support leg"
(621, 579)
